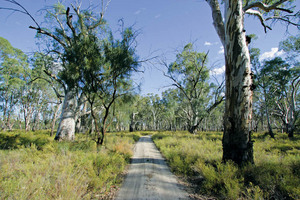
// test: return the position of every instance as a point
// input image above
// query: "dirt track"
(149, 177)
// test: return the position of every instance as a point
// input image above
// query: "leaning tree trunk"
(237, 144)
(66, 127)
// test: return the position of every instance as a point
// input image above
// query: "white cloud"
(157, 16)
(271, 54)
(207, 44)
(218, 71)
(137, 12)
(221, 51)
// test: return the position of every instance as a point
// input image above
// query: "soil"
(149, 177)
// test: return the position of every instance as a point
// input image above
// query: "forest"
(70, 114)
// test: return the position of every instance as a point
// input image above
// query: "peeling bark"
(237, 144)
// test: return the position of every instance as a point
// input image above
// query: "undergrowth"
(275, 175)
(33, 166)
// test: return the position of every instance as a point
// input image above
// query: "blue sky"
(164, 25)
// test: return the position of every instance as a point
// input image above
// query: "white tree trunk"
(54, 119)
(237, 144)
(66, 127)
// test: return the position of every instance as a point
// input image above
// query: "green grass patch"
(33, 166)
(275, 175)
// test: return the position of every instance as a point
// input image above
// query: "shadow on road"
(147, 160)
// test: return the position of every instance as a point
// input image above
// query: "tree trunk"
(131, 128)
(192, 129)
(237, 144)
(290, 130)
(36, 120)
(66, 127)
(54, 120)
(8, 125)
(27, 116)
(132, 122)
(267, 114)
(269, 123)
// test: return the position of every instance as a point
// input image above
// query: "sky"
(164, 26)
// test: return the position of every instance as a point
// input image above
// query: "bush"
(275, 175)
(33, 166)
(18, 139)
(224, 179)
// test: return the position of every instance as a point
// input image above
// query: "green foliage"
(275, 174)
(17, 140)
(36, 167)
(291, 46)
(195, 95)
(222, 179)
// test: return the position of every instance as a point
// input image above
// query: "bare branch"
(69, 21)
(61, 26)
(217, 19)
(286, 18)
(49, 34)
(24, 10)
(55, 90)
(260, 17)
(13, 9)
(267, 8)
(104, 8)
(56, 79)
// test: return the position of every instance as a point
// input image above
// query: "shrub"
(33, 166)
(18, 139)
(275, 175)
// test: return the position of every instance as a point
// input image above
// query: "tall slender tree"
(237, 143)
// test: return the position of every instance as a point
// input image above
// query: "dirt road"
(149, 177)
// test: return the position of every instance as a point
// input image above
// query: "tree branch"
(69, 21)
(217, 19)
(101, 16)
(49, 34)
(61, 26)
(24, 10)
(286, 18)
(56, 92)
(260, 17)
(56, 79)
(267, 8)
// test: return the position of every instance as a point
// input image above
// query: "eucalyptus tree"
(290, 114)
(154, 108)
(135, 107)
(283, 83)
(171, 104)
(291, 46)
(262, 92)
(142, 114)
(237, 143)
(49, 99)
(191, 76)
(13, 64)
(66, 29)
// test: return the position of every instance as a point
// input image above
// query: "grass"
(275, 175)
(33, 166)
